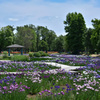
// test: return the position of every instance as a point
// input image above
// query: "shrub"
(5, 54)
(43, 53)
(1, 57)
(19, 58)
(31, 54)
(37, 54)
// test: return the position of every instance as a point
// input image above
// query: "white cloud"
(13, 19)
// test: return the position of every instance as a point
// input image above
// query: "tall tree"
(43, 33)
(87, 41)
(26, 36)
(38, 32)
(95, 37)
(43, 46)
(50, 39)
(65, 46)
(60, 43)
(75, 28)
(6, 37)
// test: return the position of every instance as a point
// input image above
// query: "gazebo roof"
(15, 46)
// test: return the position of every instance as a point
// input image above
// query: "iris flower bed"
(44, 82)
(23, 67)
(75, 60)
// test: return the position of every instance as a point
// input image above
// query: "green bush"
(43, 53)
(31, 54)
(37, 54)
(5, 54)
(1, 57)
(19, 58)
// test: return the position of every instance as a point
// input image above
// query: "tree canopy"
(75, 28)
(6, 37)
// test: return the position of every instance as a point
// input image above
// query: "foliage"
(50, 39)
(37, 54)
(19, 58)
(1, 57)
(75, 28)
(43, 53)
(39, 59)
(44, 34)
(43, 45)
(60, 43)
(87, 41)
(95, 37)
(31, 54)
(38, 32)
(5, 54)
(6, 37)
(26, 36)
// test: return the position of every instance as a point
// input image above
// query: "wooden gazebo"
(15, 46)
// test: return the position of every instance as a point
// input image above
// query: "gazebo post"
(15, 46)
(9, 52)
(21, 51)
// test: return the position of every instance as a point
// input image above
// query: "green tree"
(43, 46)
(26, 36)
(65, 43)
(87, 41)
(38, 32)
(60, 43)
(95, 37)
(43, 33)
(6, 37)
(75, 28)
(50, 39)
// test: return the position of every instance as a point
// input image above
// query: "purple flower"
(5, 87)
(1, 81)
(62, 92)
(67, 91)
(51, 87)
(40, 93)
(58, 93)
(57, 87)
(63, 88)
(22, 90)
(9, 92)
(53, 83)
(48, 91)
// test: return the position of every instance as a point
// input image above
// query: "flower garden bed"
(37, 82)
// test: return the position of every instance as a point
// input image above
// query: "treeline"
(33, 38)
(78, 38)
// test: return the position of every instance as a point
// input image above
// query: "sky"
(47, 13)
